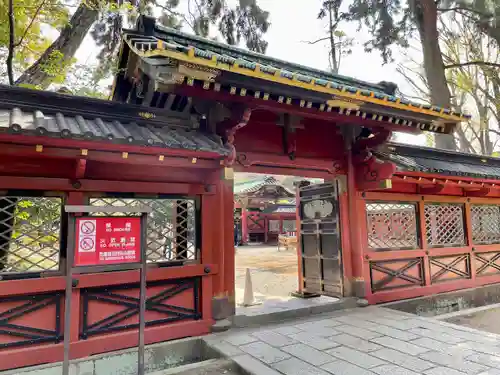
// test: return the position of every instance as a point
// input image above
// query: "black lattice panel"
(171, 226)
(391, 226)
(29, 234)
(487, 264)
(447, 268)
(111, 309)
(394, 274)
(444, 225)
(30, 320)
(485, 224)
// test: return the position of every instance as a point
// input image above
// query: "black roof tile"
(428, 160)
(38, 113)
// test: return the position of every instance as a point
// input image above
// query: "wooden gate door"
(320, 240)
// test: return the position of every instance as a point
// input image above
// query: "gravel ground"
(487, 320)
(273, 273)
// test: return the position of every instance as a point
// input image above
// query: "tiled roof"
(51, 122)
(158, 41)
(428, 160)
(228, 54)
(255, 184)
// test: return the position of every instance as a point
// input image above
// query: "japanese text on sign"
(107, 240)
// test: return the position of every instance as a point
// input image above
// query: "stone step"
(207, 367)
(158, 357)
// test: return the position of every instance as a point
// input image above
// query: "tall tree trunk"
(68, 42)
(335, 65)
(426, 17)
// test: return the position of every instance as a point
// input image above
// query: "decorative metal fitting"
(207, 269)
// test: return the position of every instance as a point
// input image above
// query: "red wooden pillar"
(468, 226)
(229, 253)
(355, 228)
(244, 224)
(300, 289)
(208, 246)
(423, 241)
(218, 240)
(224, 255)
(346, 239)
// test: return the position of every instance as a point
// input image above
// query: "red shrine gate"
(192, 111)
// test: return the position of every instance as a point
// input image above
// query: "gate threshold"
(272, 310)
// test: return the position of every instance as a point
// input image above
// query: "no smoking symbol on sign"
(87, 244)
(87, 227)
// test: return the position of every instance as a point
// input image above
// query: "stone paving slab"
(356, 343)
(368, 341)
(314, 341)
(345, 368)
(307, 354)
(451, 361)
(294, 366)
(274, 339)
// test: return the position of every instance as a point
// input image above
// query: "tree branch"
(10, 56)
(37, 11)
(316, 41)
(468, 63)
(174, 13)
(462, 8)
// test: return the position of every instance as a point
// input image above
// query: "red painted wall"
(320, 140)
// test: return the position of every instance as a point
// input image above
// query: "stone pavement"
(367, 341)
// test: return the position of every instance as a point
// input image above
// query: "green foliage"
(32, 19)
(245, 21)
(34, 243)
(56, 66)
(86, 80)
(340, 44)
(389, 23)
(35, 21)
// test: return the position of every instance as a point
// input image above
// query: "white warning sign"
(87, 236)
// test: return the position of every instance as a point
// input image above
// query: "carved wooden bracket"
(229, 160)
(371, 173)
(290, 125)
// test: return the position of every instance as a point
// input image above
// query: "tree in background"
(339, 44)
(471, 61)
(393, 23)
(246, 22)
(40, 61)
(22, 36)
